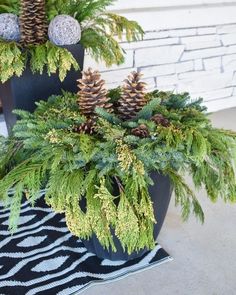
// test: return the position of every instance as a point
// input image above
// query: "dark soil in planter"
(160, 194)
(22, 92)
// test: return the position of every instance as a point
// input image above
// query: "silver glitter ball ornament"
(64, 30)
(9, 27)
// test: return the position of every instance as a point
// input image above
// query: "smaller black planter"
(160, 194)
(22, 92)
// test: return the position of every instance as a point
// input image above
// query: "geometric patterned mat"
(43, 258)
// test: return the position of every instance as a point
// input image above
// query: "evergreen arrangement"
(169, 133)
(101, 31)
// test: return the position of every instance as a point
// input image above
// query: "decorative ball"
(64, 30)
(9, 27)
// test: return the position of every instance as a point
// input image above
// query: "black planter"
(22, 92)
(160, 194)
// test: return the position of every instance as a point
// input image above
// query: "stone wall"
(197, 59)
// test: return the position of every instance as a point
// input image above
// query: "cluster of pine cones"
(92, 93)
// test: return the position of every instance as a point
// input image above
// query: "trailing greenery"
(101, 33)
(12, 60)
(52, 58)
(46, 57)
(45, 151)
(100, 37)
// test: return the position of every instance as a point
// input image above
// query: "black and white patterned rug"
(43, 258)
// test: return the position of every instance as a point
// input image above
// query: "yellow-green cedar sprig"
(12, 60)
(52, 58)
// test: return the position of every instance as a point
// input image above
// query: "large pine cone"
(133, 98)
(89, 127)
(141, 131)
(159, 119)
(33, 22)
(92, 93)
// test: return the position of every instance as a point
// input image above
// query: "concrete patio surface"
(204, 255)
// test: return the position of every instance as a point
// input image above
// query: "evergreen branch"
(179, 101)
(102, 46)
(109, 131)
(26, 177)
(114, 95)
(119, 26)
(12, 60)
(89, 9)
(63, 187)
(9, 6)
(148, 110)
(42, 57)
(128, 235)
(53, 58)
(185, 197)
(111, 118)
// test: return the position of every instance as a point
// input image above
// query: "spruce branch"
(148, 110)
(111, 118)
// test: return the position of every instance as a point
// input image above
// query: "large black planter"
(160, 194)
(22, 92)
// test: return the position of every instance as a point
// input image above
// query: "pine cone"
(33, 22)
(89, 127)
(133, 97)
(159, 119)
(92, 94)
(141, 131)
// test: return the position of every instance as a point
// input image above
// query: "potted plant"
(109, 161)
(42, 46)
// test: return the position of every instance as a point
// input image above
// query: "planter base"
(160, 194)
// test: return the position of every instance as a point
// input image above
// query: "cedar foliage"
(46, 57)
(12, 61)
(53, 59)
(45, 152)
